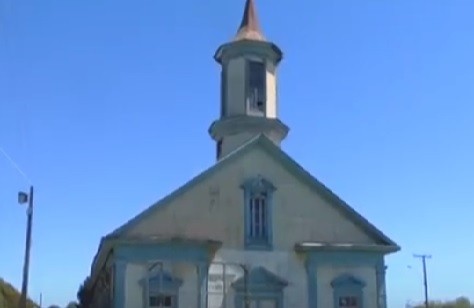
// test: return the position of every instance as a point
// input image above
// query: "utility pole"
(425, 278)
(22, 199)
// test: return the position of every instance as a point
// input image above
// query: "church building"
(255, 230)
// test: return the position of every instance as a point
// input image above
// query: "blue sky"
(101, 100)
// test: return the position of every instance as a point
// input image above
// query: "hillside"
(9, 296)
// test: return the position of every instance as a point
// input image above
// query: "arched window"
(348, 292)
(161, 290)
(258, 194)
(260, 288)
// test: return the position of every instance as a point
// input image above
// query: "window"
(258, 217)
(348, 291)
(258, 195)
(160, 289)
(348, 301)
(261, 288)
(219, 148)
(256, 90)
(162, 301)
(223, 92)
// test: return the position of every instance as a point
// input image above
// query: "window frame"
(256, 187)
(169, 286)
(224, 86)
(348, 286)
(254, 110)
(260, 285)
(219, 148)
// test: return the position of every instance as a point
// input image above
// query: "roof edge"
(322, 246)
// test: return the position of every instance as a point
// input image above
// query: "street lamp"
(24, 198)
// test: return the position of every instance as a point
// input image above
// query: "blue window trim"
(348, 285)
(193, 252)
(250, 187)
(169, 287)
(344, 259)
(260, 284)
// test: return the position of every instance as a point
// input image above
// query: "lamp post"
(24, 198)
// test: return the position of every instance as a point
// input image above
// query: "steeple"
(248, 87)
(249, 27)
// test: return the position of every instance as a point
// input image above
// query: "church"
(255, 230)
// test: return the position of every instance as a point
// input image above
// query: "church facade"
(255, 230)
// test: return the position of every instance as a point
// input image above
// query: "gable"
(209, 207)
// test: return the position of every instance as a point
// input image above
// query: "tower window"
(223, 92)
(219, 148)
(256, 95)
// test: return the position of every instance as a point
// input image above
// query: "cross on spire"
(249, 27)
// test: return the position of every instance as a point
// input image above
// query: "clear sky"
(100, 101)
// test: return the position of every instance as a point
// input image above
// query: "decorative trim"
(380, 270)
(258, 185)
(169, 286)
(348, 285)
(253, 124)
(312, 283)
(265, 50)
(259, 284)
(119, 283)
(322, 246)
(347, 280)
(203, 274)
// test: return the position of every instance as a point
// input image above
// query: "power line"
(425, 278)
(15, 165)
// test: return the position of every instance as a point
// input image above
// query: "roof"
(249, 27)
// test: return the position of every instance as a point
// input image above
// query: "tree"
(84, 294)
(72, 305)
(460, 302)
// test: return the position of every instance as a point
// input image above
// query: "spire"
(249, 27)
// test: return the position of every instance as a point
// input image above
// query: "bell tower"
(249, 100)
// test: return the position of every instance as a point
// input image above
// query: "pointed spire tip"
(250, 27)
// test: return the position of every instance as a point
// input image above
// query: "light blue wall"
(344, 259)
(171, 251)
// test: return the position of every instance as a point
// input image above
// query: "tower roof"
(249, 27)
